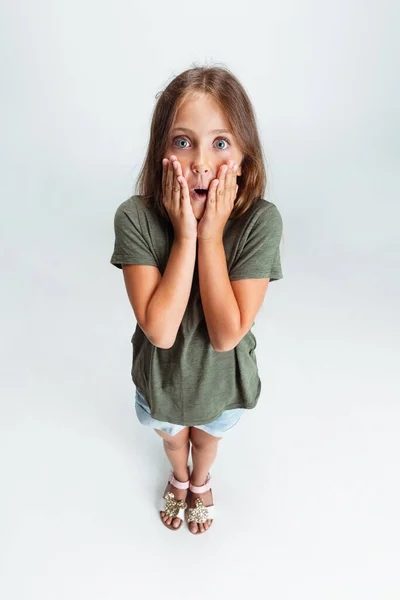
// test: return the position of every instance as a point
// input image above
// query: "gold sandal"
(200, 513)
(171, 507)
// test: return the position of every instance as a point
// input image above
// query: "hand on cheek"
(220, 201)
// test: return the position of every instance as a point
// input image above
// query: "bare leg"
(177, 449)
(204, 451)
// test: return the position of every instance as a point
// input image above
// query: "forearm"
(220, 308)
(168, 304)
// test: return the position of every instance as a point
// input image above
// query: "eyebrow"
(213, 131)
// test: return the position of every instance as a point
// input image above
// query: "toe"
(201, 525)
(193, 527)
(176, 522)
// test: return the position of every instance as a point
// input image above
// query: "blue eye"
(183, 139)
(220, 139)
(223, 140)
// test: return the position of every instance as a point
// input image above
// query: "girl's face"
(201, 150)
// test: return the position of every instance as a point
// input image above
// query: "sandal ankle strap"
(181, 485)
(200, 489)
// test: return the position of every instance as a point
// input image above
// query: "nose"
(200, 167)
(200, 162)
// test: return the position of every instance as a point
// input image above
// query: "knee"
(203, 442)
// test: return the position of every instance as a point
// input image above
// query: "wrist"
(188, 241)
(212, 240)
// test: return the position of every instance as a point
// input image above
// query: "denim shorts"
(228, 419)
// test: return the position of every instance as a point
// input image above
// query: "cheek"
(185, 168)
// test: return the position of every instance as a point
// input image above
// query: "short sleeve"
(260, 256)
(130, 246)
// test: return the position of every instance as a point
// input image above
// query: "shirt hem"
(118, 260)
(164, 418)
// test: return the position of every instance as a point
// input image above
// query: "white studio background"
(306, 487)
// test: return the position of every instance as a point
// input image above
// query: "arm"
(230, 307)
(168, 303)
(219, 303)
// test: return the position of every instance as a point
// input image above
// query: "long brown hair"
(220, 84)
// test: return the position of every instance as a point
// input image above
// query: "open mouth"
(200, 193)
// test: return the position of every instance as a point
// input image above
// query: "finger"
(235, 173)
(176, 187)
(164, 175)
(178, 167)
(212, 192)
(184, 189)
(229, 183)
(168, 184)
(234, 181)
(221, 186)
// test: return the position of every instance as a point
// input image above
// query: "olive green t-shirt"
(190, 383)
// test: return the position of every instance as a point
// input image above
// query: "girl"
(198, 246)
